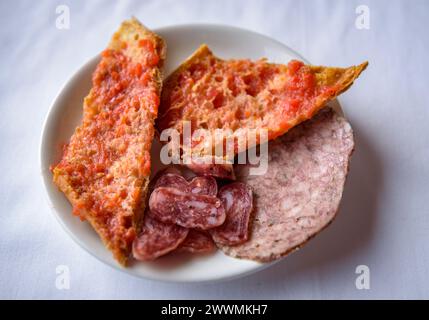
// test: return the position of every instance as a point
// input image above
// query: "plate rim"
(44, 167)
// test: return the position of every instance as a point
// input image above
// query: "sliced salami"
(203, 185)
(172, 180)
(170, 205)
(197, 242)
(199, 185)
(237, 199)
(168, 170)
(157, 239)
(211, 168)
(300, 193)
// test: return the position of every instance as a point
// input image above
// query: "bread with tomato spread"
(240, 96)
(104, 170)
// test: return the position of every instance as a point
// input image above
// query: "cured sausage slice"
(157, 239)
(168, 170)
(305, 179)
(172, 180)
(199, 185)
(188, 210)
(222, 171)
(203, 185)
(208, 166)
(237, 199)
(197, 242)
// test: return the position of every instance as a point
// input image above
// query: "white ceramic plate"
(66, 112)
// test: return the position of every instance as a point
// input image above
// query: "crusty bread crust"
(127, 42)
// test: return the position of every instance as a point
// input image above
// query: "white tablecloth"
(384, 218)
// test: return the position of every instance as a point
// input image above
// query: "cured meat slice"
(244, 97)
(157, 239)
(197, 242)
(301, 191)
(198, 185)
(222, 170)
(237, 199)
(203, 185)
(188, 210)
(172, 180)
(170, 169)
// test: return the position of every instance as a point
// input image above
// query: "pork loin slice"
(300, 193)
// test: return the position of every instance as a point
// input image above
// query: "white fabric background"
(384, 218)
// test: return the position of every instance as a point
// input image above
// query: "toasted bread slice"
(239, 96)
(104, 171)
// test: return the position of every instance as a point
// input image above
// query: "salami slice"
(199, 185)
(172, 180)
(170, 205)
(203, 185)
(161, 173)
(237, 199)
(210, 168)
(157, 239)
(197, 242)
